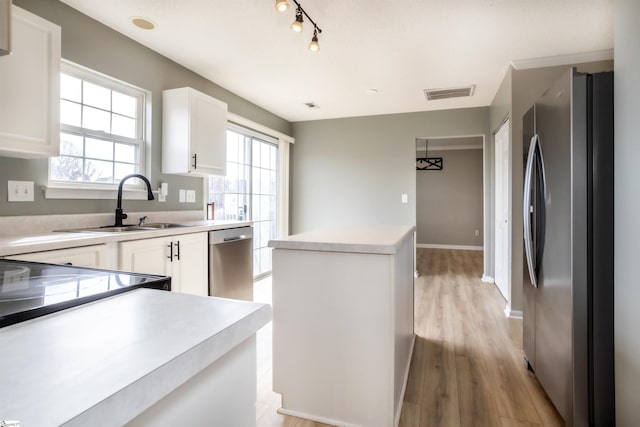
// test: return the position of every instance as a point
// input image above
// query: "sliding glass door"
(249, 191)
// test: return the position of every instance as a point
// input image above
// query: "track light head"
(282, 5)
(297, 24)
(314, 46)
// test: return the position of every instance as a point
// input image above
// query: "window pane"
(93, 118)
(255, 152)
(123, 169)
(216, 184)
(231, 206)
(99, 149)
(265, 155)
(98, 171)
(70, 88)
(124, 126)
(231, 184)
(96, 96)
(265, 186)
(273, 153)
(71, 144)
(232, 147)
(255, 173)
(65, 168)
(70, 113)
(124, 104)
(126, 153)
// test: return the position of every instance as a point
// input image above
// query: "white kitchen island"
(140, 358)
(343, 324)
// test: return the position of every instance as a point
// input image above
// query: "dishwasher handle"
(230, 235)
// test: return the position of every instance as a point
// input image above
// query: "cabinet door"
(194, 133)
(208, 134)
(192, 265)
(30, 88)
(149, 256)
(86, 256)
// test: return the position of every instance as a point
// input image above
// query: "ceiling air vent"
(453, 92)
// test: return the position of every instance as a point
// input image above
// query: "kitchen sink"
(160, 225)
(124, 228)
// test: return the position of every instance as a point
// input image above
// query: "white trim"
(456, 147)
(57, 192)
(456, 247)
(285, 411)
(283, 189)
(512, 314)
(239, 120)
(574, 58)
(487, 279)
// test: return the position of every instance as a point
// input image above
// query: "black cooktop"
(32, 289)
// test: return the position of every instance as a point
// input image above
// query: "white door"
(502, 200)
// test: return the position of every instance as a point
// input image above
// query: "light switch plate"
(405, 198)
(20, 191)
(191, 196)
(181, 196)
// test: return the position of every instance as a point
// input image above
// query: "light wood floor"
(467, 367)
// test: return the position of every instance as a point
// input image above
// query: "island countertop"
(105, 362)
(371, 240)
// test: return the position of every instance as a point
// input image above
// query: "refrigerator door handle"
(535, 163)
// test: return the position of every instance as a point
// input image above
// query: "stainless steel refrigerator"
(568, 246)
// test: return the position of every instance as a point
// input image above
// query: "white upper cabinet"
(194, 129)
(30, 88)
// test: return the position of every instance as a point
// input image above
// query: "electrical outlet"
(191, 196)
(20, 191)
(477, 233)
(405, 198)
(181, 196)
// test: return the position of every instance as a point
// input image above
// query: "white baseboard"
(487, 279)
(455, 247)
(512, 314)
(285, 411)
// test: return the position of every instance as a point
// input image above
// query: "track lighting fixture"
(314, 46)
(297, 24)
(283, 5)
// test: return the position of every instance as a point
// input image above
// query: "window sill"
(79, 193)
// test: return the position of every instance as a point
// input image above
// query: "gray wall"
(449, 201)
(352, 171)
(627, 206)
(89, 43)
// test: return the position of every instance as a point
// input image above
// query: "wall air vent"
(453, 92)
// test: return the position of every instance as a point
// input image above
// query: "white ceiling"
(398, 47)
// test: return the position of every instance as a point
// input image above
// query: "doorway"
(502, 203)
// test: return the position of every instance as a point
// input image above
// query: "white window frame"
(284, 142)
(92, 190)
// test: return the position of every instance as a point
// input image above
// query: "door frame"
(502, 199)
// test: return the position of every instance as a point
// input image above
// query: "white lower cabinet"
(85, 256)
(183, 257)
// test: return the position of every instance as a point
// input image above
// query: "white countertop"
(105, 362)
(12, 245)
(372, 240)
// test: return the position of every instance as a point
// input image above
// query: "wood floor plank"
(410, 415)
(439, 404)
(477, 405)
(506, 422)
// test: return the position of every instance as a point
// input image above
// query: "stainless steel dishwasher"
(231, 263)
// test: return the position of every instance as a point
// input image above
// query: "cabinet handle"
(170, 245)
(195, 161)
(178, 250)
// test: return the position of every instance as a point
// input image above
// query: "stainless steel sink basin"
(160, 225)
(125, 228)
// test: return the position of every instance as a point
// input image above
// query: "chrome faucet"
(121, 215)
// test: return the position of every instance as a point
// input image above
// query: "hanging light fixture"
(314, 46)
(282, 5)
(297, 24)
